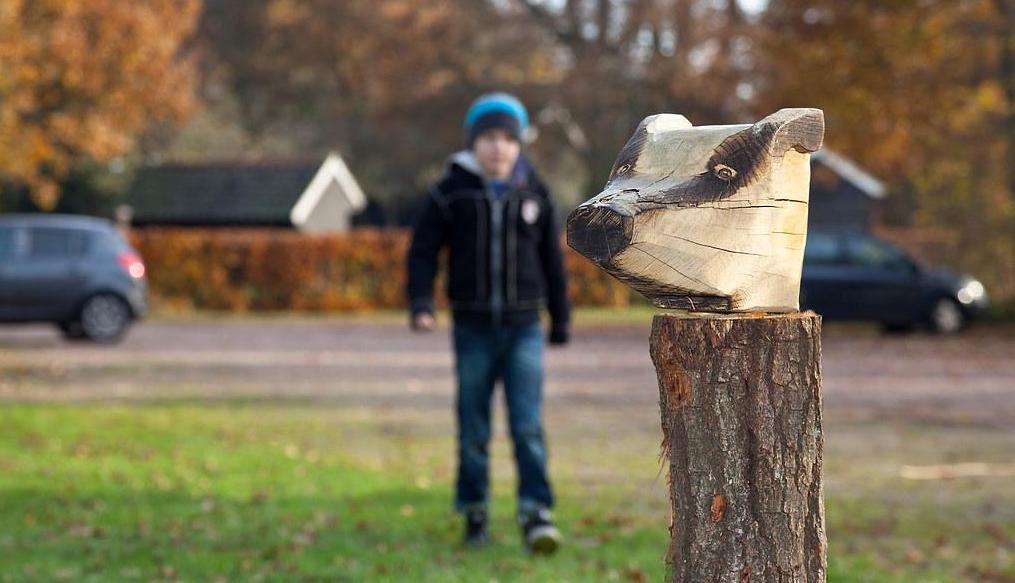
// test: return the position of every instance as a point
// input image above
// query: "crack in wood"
(734, 251)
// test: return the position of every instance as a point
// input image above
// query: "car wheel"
(947, 317)
(105, 318)
(71, 330)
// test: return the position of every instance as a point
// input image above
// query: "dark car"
(78, 272)
(851, 276)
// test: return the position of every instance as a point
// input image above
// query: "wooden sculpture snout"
(604, 231)
(710, 218)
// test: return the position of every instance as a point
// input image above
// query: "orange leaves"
(889, 75)
(287, 12)
(275, 269)
(914, 92)
(80, 80)
(588, 285)
(270, 269)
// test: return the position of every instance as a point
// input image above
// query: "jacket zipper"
(512, 252)
(496, 253)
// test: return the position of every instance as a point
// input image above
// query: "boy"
(504, 262)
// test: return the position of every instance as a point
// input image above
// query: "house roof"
(850, 172)
(333, 169)
(261, 193)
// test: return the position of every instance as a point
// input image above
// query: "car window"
(8, 242)
(52, 242)
(876, 254)
(116, 239)
(822, 249)
(89, 240)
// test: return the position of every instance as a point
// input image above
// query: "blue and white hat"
(496, 110)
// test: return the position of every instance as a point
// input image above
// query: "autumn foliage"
(241, 270)
(79, 79)
(921, 94)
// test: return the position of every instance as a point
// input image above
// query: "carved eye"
(623, 168)
(724, 172)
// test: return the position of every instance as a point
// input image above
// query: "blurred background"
(238, 176)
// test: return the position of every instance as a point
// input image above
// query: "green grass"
(273, 492)
(250, 493)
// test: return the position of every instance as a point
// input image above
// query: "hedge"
(276, 269)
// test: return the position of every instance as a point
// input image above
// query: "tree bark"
(741, 417)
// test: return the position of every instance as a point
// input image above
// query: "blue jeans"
(514, 354)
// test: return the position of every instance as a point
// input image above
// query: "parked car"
(850, 276)
(77, 272)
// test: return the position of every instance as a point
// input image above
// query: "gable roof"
(849, 171)
(333, 169)
(259, 193)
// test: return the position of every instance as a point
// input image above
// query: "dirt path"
(965, 380)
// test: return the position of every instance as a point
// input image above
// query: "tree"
(921, 93)
(386, 82)
(1006, 41)
(740, 404)
(80, 79)
(626, 59)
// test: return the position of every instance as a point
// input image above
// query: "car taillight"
(131, 263)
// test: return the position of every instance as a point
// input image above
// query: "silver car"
(77, 272)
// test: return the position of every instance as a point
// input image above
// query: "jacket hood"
(465, 162)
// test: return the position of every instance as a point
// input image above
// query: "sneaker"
(475, 528)
(541, 537)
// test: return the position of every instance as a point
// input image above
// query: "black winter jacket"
(504, 256)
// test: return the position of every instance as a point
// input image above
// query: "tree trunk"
(1006, 8)
(741, 417)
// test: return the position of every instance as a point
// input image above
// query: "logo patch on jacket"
(530, 211)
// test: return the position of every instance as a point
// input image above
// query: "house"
(843, 195)
(311, 197)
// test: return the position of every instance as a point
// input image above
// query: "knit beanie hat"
(496, 110)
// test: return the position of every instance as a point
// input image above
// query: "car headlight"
(971, 291)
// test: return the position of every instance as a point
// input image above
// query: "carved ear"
(665, 122)
(627, 159)
(802, 129)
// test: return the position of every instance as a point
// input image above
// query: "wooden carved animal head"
(710, 218)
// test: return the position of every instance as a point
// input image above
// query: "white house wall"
(332, 213)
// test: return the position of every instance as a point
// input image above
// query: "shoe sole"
(544, 540)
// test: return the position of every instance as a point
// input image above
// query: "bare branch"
(550, 22)
(604, 12)
(684, 27)
(637, 15)
(573, 18)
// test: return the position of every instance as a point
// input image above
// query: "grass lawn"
(252, 491)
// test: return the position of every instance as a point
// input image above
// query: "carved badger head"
(709, 218)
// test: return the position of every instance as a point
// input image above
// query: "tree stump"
(741, 415)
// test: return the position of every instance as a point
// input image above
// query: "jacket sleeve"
(553, 268)
(429, 235)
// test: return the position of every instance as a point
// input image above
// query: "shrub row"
(275, 269)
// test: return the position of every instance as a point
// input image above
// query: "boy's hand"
(423, 322)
